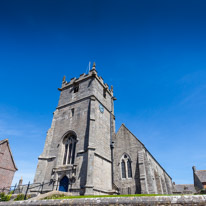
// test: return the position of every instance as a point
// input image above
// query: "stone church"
(85, 156)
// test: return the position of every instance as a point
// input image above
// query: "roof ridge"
(184, 184)
(3, 140)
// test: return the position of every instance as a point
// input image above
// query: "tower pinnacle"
(64, 79)
(94, 66)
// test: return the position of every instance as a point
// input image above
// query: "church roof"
(7, 141)
(184, 188)
(201, 174)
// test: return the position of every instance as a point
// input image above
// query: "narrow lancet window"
(65, 154)
(70, 151)
(76, 88)
(129, 168)
(123, 169)
(72, 110)
(104, 93)
(73, 152)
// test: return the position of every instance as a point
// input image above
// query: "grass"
(102, 196)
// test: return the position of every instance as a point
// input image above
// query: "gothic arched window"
(69, 149)
(126, 166)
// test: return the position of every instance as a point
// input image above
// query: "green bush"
(11, 192)
(62, 196)
(55, 196)
(19, 197)
(4, 197)
(203, 192)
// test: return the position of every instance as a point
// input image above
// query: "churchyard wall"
(187, 200)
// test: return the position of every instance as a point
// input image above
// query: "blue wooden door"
(64, 183)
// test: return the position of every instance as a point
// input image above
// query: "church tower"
(77, 155)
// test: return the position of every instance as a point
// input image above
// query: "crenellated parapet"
(92, 74)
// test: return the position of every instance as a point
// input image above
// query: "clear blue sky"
(152, 52)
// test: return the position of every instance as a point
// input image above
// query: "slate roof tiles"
(201, 174)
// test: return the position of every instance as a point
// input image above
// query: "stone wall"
(197, 200)
(52, 156)
(124, 143)
(148, 177)
(102, 170)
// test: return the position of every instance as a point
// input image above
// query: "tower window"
(76, 88)
(104, 93)
(69, 149)
(126, 166)
(72, 110)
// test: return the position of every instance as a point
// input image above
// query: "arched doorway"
(64, 183)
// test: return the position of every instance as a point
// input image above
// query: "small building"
(7, 165)
(199, 179)
(184, 189)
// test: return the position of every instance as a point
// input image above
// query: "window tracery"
(126, 166)
(69, 149)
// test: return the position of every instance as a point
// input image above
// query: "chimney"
(194, 169)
